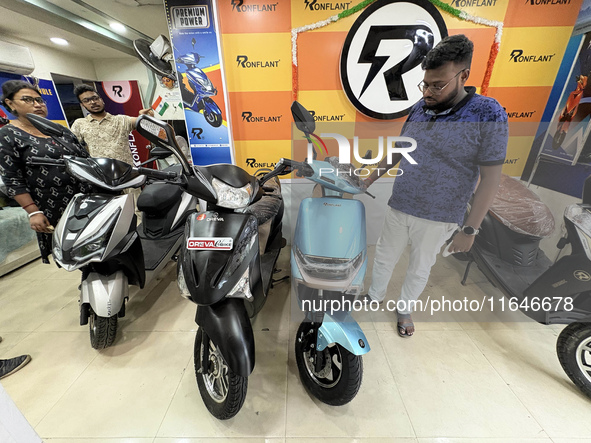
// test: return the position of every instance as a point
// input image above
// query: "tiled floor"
(461, 379)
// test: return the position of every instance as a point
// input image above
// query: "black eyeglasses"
(95, 98)
(30, 100)
(436, 90)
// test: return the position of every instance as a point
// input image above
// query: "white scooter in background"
(98, 232)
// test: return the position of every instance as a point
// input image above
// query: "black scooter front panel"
(211, 270)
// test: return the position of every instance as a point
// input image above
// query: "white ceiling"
(24, 20)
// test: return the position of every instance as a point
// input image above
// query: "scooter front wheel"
(103, 330)
(338, 380)
(222, 391)
(574, 352)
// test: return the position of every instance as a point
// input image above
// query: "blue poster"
(198, 61)
(48, 92)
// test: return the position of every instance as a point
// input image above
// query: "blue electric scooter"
(197, 90)
(328, 263)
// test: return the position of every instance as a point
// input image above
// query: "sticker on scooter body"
(210, 243)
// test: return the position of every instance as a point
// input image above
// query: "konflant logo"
(547, 2)
(244, 62)
(327, 118)
(315, 5)
(518, 57)
(239, 6)
(472, 3)
(248, 117)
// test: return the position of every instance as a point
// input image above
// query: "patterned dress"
(51, 188)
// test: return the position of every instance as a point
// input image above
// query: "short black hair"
(11, 87)
(454, 48)
(81, 89)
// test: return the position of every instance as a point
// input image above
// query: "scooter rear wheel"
(574, 352)
(339, 379)
(222, 391)
(103, 330)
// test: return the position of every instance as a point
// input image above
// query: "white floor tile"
(451, 390)
(128, 387)
(527, 362)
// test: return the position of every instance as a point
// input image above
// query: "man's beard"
(97, 112)
(442, 106)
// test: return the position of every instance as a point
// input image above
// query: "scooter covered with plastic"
(506, 249)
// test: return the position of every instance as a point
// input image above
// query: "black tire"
(574, 352)
(221, 405)
(103, 330)
(213, 118)
(345, 381)
(558, 138)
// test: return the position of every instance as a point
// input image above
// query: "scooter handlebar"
(158, 175)
(44, 161)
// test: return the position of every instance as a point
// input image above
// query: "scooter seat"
(521, 210)
(157, 198)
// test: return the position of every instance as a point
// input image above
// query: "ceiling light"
(59, 41)
(118, 27)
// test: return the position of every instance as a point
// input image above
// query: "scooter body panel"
(219, 249)
(329, 248)
(330, 227)
(92, 228)
(228, 325)
(105, 293)
(342, 329)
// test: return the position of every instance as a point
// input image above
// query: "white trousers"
(425, 237)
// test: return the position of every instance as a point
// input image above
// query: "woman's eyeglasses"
(436, 90)
(88, 100)
(30, 100)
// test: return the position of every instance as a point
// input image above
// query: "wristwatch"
(469, 230)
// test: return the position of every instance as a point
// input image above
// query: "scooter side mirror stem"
(162, 134)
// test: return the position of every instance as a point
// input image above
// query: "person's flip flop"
(402, 325)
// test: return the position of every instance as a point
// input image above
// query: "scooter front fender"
(105, 293)
(211, 107)
(342, 329)
(228, 325)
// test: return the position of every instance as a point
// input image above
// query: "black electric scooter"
(508, 254)
(226, 266)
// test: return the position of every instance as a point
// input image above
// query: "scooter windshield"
(106, 173)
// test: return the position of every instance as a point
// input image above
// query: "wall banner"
(195, 39)
(123, 97)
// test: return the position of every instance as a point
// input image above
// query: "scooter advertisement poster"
(48, 92)
(567, 138)
(197, 53)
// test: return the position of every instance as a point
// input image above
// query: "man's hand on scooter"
(459, 243)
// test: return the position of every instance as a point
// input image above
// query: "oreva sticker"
(210, 243)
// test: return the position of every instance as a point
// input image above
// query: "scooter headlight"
(230, 197)
(95, 245)
(242, 288)
(328, 268)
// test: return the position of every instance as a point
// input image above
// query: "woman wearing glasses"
(41, 191)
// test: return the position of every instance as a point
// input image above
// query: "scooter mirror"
(302, 118)
(162, 135)
(48, 127)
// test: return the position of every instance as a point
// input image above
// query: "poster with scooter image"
(198, 61)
